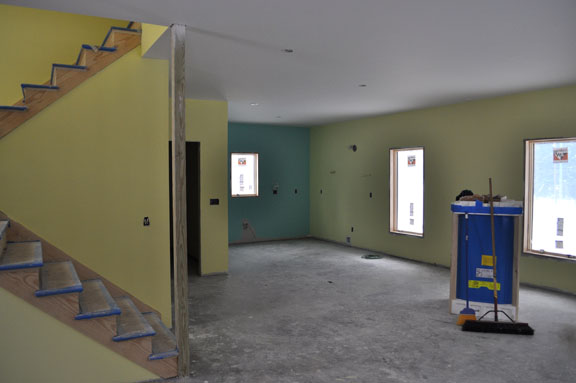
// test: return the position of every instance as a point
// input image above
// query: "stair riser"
(61, 74)
(117, 38)
(21, 282)
(35, 94)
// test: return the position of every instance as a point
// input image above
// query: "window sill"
(406, 233)
(553, 257)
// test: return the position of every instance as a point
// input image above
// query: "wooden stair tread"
(21, 255)
(130, 323)
(58, 278)
(164, 342)
(95, 301)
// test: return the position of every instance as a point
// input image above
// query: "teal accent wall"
(284, 159)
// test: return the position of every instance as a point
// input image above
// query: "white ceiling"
(410, 53)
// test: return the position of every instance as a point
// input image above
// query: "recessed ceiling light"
(288, 50)
(254, 104)
(362, 85)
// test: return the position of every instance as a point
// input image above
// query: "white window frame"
(529, 197)
(394, 192)
(256, 175)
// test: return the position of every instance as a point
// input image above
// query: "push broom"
(467, 313)
(496, 326)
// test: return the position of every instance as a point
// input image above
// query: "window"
(407, 191)
(244, 174)
(550, 195)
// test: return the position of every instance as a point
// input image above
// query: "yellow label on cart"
(487, 260)
(478, 284)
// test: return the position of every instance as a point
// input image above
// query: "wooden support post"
(177, 106)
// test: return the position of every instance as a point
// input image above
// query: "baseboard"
(258, 240)
(525, 284)
(218, 273)
(381, 253)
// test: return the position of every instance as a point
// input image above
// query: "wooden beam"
(177, 106)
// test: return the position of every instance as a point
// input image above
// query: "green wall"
(283, 154)
(465, 144)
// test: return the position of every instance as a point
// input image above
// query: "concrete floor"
(312, 311)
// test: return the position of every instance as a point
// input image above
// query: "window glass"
(407, 191)
(551, 202)
(244, 174)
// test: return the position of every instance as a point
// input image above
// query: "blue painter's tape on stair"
(36, 86)
(120, 338)
(14, 108)
(65, 290)
(54, 66)
(163, 355)
(115, 311)
(104, 49)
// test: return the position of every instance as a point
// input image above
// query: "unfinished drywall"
(38, 348)
(207, 123)
(465, 144)
(32, 40)
(283, 206)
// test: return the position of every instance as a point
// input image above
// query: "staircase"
(65, 77)
(84, 304)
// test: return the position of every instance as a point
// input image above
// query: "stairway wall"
(85, 172)
(32, 40)
(39, 348)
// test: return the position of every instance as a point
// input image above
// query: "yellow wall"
(150, 34)
(207, 122)
(36, 39)
(38, 348)
(465, 144)
(85, 171)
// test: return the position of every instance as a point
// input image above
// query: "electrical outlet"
(348, 239)
(146, 221)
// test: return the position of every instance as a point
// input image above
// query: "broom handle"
(493, 253)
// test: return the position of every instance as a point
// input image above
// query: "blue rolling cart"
(471, 234)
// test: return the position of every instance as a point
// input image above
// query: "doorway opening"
(192, 207)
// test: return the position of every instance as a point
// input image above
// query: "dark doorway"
(192, 206)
